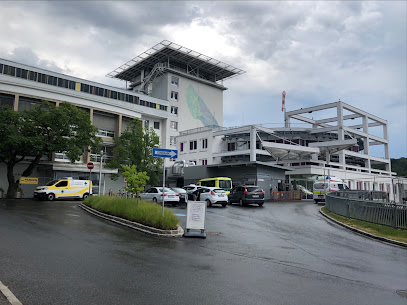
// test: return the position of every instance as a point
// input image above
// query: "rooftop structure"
(175, 58)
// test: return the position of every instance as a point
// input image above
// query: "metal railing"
(286, 195)
(352, 204)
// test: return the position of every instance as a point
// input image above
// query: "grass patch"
(146, 213)
(372, 228)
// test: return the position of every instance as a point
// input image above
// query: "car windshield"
(253, 189)
(319, 185)
(52, 182)
(178, 189)
(225, 184)
(219, 191)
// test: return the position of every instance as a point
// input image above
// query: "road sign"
(90, 165)
(165, 153)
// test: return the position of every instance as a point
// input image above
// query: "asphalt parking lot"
(281, 253)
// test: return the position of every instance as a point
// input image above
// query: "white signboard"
(196, 212)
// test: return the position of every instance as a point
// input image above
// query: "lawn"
(146, 213)
(372, 228)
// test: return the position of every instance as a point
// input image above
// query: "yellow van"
(64, 188)
(220, 182)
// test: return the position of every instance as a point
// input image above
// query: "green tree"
(135, 180)
(31, 134)
(135, 147)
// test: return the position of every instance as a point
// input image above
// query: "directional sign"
(165, 153)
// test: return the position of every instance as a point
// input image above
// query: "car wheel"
(155, 200)
(316, 201)
(50, 196)
(224, 204)
(208, 203)
(229, 201)
(86, 195)
(261, 204)
(174, 204)
(240, 202)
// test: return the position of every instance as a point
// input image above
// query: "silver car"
(213, 195)
(156, 194)
(183, 195)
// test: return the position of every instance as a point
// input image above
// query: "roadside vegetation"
(372, 228)
(146, 213)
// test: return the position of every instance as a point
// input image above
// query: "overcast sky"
(318, 52)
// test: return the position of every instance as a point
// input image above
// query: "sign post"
(196, 212)
(90, 167)
(164, 153)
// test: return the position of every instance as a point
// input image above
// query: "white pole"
(100, 173)
(163, 183)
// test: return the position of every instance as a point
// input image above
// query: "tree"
(135, 147)
(31, 134)
(135, 180)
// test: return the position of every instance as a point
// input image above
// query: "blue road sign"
(165, 153)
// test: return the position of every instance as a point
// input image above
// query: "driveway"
(282, 253)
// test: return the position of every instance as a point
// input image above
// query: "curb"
(134, 225)
(395, 242)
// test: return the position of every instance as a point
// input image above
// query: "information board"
(196, 212)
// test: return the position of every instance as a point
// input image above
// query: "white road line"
(9, 295)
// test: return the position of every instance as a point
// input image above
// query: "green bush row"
(146, 213)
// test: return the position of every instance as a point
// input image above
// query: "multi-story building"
(169, 87)
(334, 146)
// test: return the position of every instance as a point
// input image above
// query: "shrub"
(146, 213)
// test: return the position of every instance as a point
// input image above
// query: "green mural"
(198, 108)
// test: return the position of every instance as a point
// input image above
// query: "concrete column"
(253, 143)
(339, 109)
(165, 134)
(119, 125)
(286, 120)
(366, 141)
(16, 101)
(86, 157)
(386, 146)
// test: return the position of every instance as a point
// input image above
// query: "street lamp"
(100, 172)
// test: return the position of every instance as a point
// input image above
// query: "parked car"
(246, 194)
(213, 195)
(191, 191)
(183, 196)
(156, 194)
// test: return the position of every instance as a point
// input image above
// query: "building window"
(174, 125)
(192, 145)
(172, 140)
(146, 123)
(174, 110)
(174, 81)
(156, 125)
(204, 162)
(174, 95)
(105, 133)
(231, 146)
(204, 144)
(181, 148)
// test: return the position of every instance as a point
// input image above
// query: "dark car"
(246, 194)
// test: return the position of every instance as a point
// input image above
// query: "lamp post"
(100, 172)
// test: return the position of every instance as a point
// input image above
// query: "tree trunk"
(12, 184)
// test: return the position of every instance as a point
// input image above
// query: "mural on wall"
(198, 108)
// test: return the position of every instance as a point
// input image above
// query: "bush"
(146, 213)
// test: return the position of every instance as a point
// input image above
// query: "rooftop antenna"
(283, 108)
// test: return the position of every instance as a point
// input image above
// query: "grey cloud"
(27, 56)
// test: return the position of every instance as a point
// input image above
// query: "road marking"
(180, 214)
(9, 295)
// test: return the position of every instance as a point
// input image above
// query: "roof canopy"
(178, 58)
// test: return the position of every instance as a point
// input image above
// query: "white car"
(156, 194)
(213, 195)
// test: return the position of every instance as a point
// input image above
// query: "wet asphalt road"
(283, 253)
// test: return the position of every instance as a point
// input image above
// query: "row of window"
(200, 162)
(193, 145)
(73, 85)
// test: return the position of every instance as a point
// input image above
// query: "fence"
(352, 204)
(286, 195)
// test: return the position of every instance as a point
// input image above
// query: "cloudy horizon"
(318, 52)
